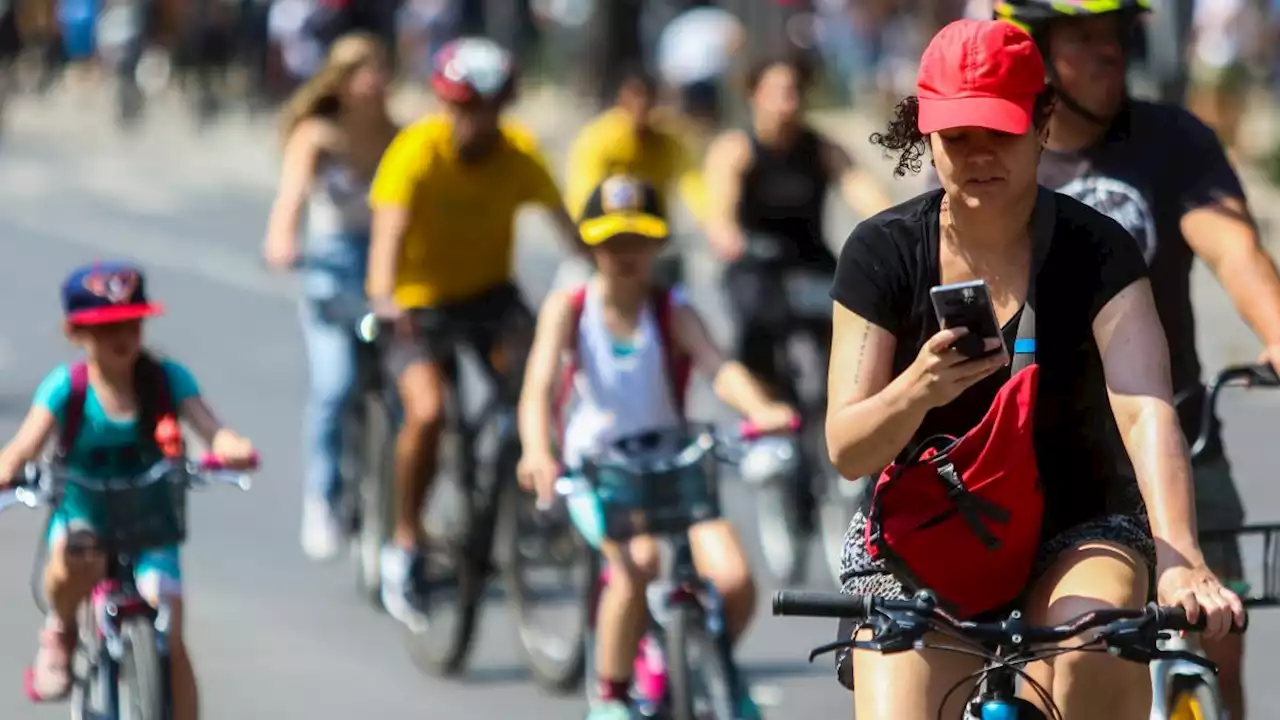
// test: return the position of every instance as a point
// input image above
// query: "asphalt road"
(272, 634)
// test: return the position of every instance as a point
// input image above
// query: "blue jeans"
(334, 265)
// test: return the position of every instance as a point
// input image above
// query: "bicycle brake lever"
(1187, 656)
(831, 647)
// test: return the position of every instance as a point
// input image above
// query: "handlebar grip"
(747, 430)
(820, 604)
(213, 463)
(1175, 618)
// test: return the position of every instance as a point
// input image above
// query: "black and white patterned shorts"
(860, 574)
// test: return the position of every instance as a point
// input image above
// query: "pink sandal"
(49, 677)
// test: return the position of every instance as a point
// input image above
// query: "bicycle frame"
(678, 583)
(113, 601)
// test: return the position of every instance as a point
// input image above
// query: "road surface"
(272, 634)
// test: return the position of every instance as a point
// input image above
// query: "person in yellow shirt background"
(445, 200)
(631, 138)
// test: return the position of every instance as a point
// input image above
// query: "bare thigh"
(911, 685)
(1092, 575)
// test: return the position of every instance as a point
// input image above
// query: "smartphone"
(968, 305)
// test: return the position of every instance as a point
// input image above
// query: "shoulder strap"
(577, 302)
(1043, 220)
(164, 393)
(678, 364)
(73, 412)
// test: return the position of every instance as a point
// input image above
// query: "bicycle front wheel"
(1191, 698)
(700, 688)
(455, 571)
(143, 672)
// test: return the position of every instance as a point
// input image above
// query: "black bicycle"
(123, 671)
(794, 305)
(1005, 645)
(368, 423)
(477, 525)
(1185, 691)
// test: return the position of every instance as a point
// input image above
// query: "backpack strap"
(564, 389)
(678, 363)
(1043, 220)
(73, 411)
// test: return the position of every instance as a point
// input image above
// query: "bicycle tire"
(142, 672)
(560, 676)
(438, 654)
(683, 632)
(374, 498)
(95, 673)
(1191, 698)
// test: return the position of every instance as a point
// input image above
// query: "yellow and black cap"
(622, 205)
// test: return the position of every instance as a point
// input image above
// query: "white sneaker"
(399, 596)
(321, 531)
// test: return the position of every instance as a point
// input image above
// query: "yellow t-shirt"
(461, 214)
(608, 145)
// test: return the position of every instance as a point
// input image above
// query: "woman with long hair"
(335, 128)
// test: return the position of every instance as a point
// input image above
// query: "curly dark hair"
(903, 135)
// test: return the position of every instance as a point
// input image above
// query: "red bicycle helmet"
(474, 69)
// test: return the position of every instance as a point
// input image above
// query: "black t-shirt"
(784, 194)
(885, 271)
(1156, 163)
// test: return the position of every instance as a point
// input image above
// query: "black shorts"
(496, 320)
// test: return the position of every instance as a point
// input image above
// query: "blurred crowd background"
(1220, 57)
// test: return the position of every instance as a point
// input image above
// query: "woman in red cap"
(1077, 535)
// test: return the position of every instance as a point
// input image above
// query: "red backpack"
(678, 363)
(73, 417)
(962, 516)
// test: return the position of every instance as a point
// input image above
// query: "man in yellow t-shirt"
(445, 200)
(626, 139)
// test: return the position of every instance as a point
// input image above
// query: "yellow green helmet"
(1031, 15)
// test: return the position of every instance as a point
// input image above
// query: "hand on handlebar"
(280, 252)
(537, 472)
(771, 419)
(1271, 356)
(388, 310)
(1198, 591)
(232, 451)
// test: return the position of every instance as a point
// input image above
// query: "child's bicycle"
(123, 671)
(1184, 690)
(661, 484)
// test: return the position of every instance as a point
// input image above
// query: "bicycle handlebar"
(32, 491)
(1011, 630)
(1260, 375)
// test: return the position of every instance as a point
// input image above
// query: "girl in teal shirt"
(105, 305)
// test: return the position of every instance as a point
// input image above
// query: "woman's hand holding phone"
(940, 372)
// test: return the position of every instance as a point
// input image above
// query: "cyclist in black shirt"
(1162, 174)
(982, 113)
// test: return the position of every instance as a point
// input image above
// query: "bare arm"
(552, 337)
(726, 161)
(870, 416)
(731, 380)
(1135, 360)
(36, 429)
(197, 413)
(1224, 236)
(297, 173)
(858, 188)
(389, 225)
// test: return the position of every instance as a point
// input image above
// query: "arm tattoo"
(862, 353)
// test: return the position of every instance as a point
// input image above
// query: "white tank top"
(620, 387)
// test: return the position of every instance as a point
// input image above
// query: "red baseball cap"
(979, 73)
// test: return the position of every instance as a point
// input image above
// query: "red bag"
(962, 516)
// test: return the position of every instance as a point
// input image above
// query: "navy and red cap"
(106, 292)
